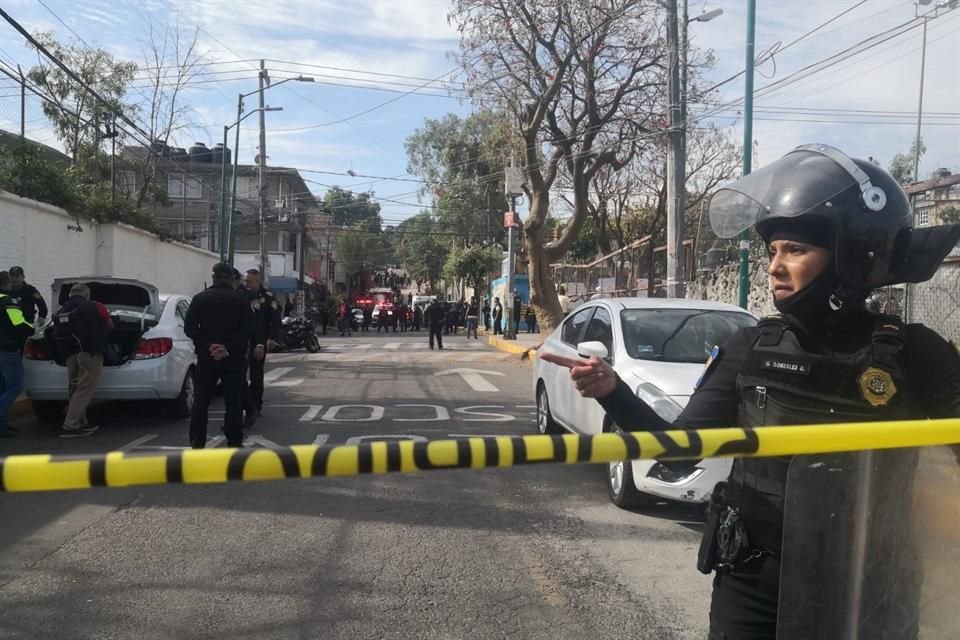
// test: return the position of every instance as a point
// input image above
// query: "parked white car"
(149, 357)
(658, 346)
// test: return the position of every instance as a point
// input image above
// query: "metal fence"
(637, 269)
(936, 303)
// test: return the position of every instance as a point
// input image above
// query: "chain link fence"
(21, 113)
(936, 302)
(639, 269)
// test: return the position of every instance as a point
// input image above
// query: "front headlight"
(665, 406)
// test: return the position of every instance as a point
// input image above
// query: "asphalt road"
(533, 552)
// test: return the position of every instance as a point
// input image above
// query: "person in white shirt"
(564, 300)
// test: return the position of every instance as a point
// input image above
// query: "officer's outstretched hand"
(594, 378)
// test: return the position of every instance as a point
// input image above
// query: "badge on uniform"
(714, 356)
(274, 305)
(255, 304)
(876, 386)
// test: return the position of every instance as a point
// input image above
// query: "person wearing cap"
(26, 296)
(14, 331)
(220, 323)
(835, 228)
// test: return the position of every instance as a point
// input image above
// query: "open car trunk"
(134, 307)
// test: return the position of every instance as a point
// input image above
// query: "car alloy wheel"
(545, 422)
(616, 477)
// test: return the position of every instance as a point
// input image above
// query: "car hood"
(676, 379)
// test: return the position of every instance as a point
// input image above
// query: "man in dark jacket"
(436, 317)
(266, 334)
(14, 331)
(81, 327)
(26, 297)
(219, 322)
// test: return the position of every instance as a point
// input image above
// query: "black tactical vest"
(782, 384)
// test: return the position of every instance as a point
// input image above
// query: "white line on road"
(136, 443)
(215, 442)
(273, 374)
(311, 413)
(392, 346)
(473, 377)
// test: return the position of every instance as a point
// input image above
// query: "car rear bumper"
(135, 380)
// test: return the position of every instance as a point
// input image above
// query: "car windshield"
(678, 335)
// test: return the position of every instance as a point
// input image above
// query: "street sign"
(509, 219)
(513, 182)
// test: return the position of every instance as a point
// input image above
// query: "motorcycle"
(296, 333)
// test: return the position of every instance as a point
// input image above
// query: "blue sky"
(356, 42)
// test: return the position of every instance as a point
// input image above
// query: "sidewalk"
(524, 345)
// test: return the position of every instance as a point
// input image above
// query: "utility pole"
(513, 187)
(23, 103)
(675, 155)
(747, 144)
(264, 264)
(232, 216)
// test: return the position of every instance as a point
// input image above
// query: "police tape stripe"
(124, 469)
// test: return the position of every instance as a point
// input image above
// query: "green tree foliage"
(78, 118)
(353, 209)
(25, 172)
(462, 161)
(421, 251)
(473, 264)
(353, 249)
(950, 215)
(901, 167)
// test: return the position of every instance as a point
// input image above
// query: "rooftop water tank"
(199, 153)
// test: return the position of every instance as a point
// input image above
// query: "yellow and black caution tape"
(124, 469)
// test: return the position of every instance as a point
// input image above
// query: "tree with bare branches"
(583, 82)
(171, 58)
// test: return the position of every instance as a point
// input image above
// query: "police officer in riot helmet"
(835, 229)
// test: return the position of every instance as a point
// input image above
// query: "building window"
(246, 188)
(127, 183)
(923, 217)
(181, 186)
(332, 271)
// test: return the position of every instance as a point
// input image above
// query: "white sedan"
(149, 357)
(658, 346)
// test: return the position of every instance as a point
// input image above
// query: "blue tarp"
(282, 284)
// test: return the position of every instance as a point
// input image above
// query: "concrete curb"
(510, 346)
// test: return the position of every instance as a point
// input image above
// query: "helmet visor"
(795, 184)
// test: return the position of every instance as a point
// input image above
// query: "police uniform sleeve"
(245, 326)
(191, 323)
(40, 302)
(273, 318)
(933, 365)
(713, 403)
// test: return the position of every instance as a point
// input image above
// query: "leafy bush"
(25, 172)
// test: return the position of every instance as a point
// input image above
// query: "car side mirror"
(593, 348)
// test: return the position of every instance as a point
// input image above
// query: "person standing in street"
(531, 319)
(220, 323)
(473, 313)
(485, 310)
(81, 328)
(517, 305)
(345, 319)
(835, 229)
(564, 300)
(497, 317)
(417, 318)
(26, 296)
(14, 331)
(436, 317)
(265, 335)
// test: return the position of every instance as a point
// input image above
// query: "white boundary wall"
(36, 236)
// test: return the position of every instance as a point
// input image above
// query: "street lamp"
(224, 234)
(946, 5)
(677, 155)
(264, 85)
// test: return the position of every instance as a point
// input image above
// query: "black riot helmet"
(868, 215)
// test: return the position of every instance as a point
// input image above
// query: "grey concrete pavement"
(532, 552)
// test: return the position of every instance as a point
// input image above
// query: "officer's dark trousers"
(744, 605)
(255, 400)
(436, 330)
(209, 372)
